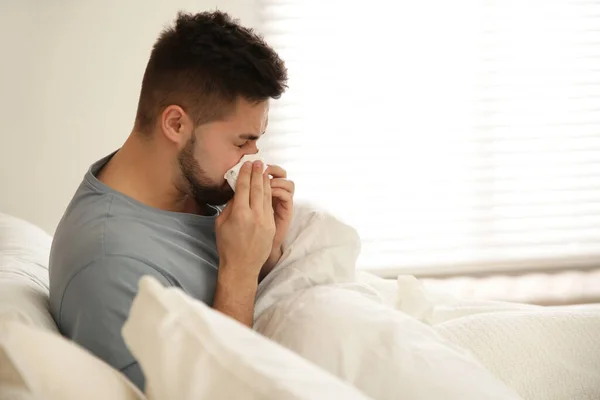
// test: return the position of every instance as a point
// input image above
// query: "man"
(152, 207)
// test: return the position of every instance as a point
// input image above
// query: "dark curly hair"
(203, 64)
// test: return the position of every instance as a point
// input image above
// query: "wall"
(70, 74)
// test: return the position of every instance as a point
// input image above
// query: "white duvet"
(542, 352)
(396, 340)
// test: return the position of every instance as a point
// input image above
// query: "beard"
(199, 185)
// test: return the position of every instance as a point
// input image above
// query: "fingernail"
(258, 164)
(247, 164)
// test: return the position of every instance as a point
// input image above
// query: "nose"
(253, 149)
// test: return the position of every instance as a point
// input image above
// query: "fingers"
(285, 184)
(256, 187)
(242, 186)
(285, 198)
(276, 171)
(268, 204)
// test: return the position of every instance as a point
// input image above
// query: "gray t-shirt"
(103, 245)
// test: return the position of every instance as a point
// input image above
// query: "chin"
(218, 197)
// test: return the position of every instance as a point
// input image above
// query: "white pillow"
(24, 253)
(189, 351)
(23, 240)
(347, 330)
(26, 304)
(35, 364)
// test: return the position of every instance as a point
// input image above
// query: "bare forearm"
(235, 296)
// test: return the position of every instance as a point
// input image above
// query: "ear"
(176, 125)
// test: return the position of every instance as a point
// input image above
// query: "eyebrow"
(250, 136)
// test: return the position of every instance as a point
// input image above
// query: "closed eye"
(248, 137)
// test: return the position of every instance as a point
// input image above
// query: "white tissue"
(232, 175)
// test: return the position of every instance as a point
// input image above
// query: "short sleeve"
(95, 305)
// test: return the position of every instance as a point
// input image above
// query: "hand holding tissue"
(232, 175)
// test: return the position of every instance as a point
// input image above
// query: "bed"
(322, 330)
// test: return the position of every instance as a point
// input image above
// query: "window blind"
(454, 136)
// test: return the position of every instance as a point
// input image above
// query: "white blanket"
(544, 353)
(312, 304)
(398, 340)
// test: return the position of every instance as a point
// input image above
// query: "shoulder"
(79, 237)
(97, 252)
(97, 225)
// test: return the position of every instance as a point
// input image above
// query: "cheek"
(217, 156)
(230, 161)
(221, 162)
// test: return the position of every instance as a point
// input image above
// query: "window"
(455, 136)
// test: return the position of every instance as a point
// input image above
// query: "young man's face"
(217, 146)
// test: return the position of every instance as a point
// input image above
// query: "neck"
(144, 171)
